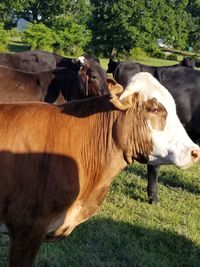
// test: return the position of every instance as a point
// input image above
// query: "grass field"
(148, 61)
(127, 231)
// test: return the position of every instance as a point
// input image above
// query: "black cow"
(184, 85)
(188, 62)
(89, 81)
(37, 61)
(31, 61)
(125, 69)
(82, 80)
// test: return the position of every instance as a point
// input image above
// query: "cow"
(197, 63)
(19, 86)
(124, 70)
(30, 61)
(184, 85)
(39, 61)
(58, 161)
(88, 80)
(188, 62)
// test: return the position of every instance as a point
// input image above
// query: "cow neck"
(127, 130)
(132, 134)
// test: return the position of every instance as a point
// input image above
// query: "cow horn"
(127, 92)
(114, 87)
(119, 104)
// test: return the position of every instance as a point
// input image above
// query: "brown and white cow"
(57, 162)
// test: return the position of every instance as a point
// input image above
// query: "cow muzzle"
(194, 155)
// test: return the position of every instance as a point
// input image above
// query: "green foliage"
(66, 36)
(115, 24)
(4, 38)
(154, 51)
(137, 53)
(38, 36)
(159, 54)
(172, 57)
(125, 24)
(44, 11)
(193, 9)
(15, 34)
(71, 37)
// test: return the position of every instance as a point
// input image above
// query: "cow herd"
(57, 159)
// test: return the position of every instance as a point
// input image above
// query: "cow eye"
(154, 110)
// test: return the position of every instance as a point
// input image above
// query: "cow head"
(92, 79)
(169, 142)
(112, 64)
(188, 62)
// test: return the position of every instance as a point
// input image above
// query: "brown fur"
(52, 86)
(57, 163)
(18, 86)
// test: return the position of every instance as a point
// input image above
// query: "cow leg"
(24, 246)
(152, 176)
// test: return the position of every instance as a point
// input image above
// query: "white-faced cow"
(57, 162)
(184, 85)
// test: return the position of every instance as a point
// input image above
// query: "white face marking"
(172, 145)
(81, 59)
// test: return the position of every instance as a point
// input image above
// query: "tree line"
(103, 27)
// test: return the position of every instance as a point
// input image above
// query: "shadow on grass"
(104, 242)
(18, 47)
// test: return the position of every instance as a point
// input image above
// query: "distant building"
(21, 24)
(162, 44)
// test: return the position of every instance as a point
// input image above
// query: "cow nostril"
(195, 153)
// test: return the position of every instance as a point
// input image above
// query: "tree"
(123, 24)
(110, 25)
(193, 9)
(8, 8)
(72, 37)
(46, 10)
(39, 36)
(4, 38)
(65, 37)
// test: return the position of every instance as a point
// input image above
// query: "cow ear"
(83, 69)
(114, 87)
(81, 62)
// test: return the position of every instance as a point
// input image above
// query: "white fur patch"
(81, 59)
(149, 86)
(172, 145)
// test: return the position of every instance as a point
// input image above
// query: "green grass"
(127, 231)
